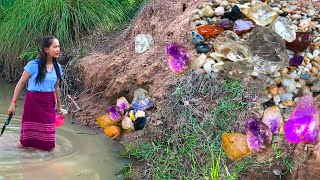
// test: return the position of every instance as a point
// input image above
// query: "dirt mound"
(106, 76)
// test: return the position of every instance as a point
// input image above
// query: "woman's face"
(54, 49)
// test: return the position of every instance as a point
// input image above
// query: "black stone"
(139, 123)
(268, 104)
(284, 14)
(234, 14)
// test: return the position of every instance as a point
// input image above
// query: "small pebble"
(317, 59)
(296, 100)
(302, 82)
(219, 11)
(273, 90)
(309, 55)
(314, 70)
(289, 103)
(316, 53)
(305, 90)
(296, 16)
(281, 90)
(284, 71)
(224, 3)
(311, 12)
(276, 99)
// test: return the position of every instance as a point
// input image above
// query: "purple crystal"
(258, 135)
(296, 60)
(303, 124)
(241, 26)
(116, 113)
(226, 24)
(178, 58)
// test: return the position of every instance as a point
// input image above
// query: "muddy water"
(77, 155)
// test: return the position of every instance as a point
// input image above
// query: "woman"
(43, 76)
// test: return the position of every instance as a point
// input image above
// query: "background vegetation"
(23, 23)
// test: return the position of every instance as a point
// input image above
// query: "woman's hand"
(12, 109)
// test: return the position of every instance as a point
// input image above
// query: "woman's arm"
(20, 85)
(58, 95)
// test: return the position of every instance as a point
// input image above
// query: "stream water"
(78, 154)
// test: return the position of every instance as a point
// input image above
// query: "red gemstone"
(302, 41)
(241, 26)
(209, 30)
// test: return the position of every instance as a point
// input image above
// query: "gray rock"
(311, 12)
(311, 80)
(316, 86)
(286, 97)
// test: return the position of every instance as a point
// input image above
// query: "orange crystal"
(209, 30)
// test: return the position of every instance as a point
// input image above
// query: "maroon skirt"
(38, 121)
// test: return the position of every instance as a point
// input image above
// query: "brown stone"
(314, 70)
(289, 103)
(273, 90)
(281, 90)
(302, 41)
(317, 59)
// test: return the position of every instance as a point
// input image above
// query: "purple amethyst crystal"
(178, 58)
(116, 113)
(258, 135)
(303, 124)
(296, 60)
(226, 24)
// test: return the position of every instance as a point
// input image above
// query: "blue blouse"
(49, 81)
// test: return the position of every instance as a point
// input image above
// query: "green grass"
(23, 23)
(193, 150)
(62, 18)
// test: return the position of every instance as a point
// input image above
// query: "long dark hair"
(42, 68)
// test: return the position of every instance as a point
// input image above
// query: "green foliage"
(132, 6)
(127, 171)
(27, 21)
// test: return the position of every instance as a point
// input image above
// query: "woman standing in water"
(43, 95)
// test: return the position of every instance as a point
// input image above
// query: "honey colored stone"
(235, 145)
(229, 46)
(262, 14)
(209, 30)
(273, 90)
(289, 103)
